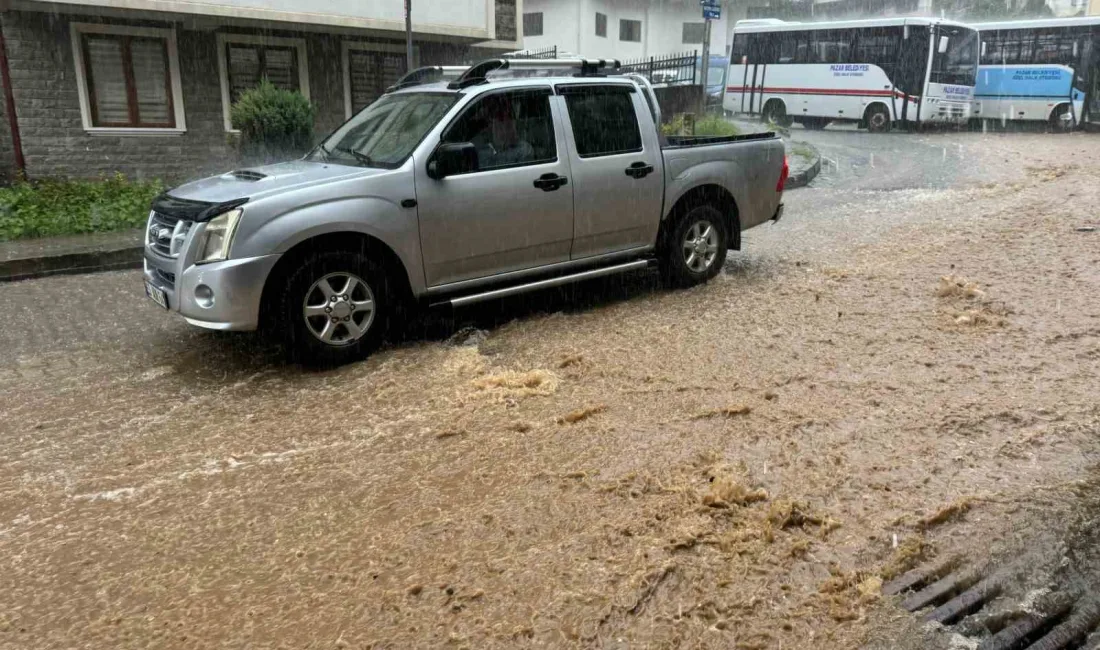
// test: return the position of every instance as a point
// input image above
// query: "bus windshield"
(959, 64)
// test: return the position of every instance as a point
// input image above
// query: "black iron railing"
(542, 53)
(668, 70)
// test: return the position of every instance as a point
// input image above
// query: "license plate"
(158, 296)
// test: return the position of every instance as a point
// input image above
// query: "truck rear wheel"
(335, 308)
(695, 248)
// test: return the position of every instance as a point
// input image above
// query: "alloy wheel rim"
(700, 246)
(338, 309)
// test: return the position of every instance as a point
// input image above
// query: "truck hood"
(250, 183)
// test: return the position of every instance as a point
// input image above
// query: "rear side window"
(603, 120)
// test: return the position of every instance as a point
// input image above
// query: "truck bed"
(681, 141)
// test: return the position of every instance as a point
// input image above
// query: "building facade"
(144, 87)
(624, 29)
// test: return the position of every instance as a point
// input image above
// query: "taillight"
(783, 175)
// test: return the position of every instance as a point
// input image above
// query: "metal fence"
(669, 70)
(543, 53)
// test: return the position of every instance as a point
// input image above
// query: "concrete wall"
(47, 103)
(571, 25)
(470, 18)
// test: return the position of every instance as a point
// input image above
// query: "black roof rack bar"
(428, 74)
(476, 74)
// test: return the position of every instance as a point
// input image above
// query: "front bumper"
(219, 295)
(944, 111)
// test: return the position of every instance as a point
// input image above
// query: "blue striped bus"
(1039, 70)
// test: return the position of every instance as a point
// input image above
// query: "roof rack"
(428, 74)
(478, 73)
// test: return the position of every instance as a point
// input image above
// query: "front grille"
(165, 278)
(166, 235)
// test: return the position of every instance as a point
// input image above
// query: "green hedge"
(49, 208)
(274, 123)
(706, 125)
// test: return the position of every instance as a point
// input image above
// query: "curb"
(128, 257)
(803, 178)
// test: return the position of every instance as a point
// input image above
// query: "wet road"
(109, 312)
(615, 465)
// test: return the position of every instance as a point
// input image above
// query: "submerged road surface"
(615, 465)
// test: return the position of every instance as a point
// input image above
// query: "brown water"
(585, 478)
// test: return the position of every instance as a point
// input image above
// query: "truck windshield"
(959, 64)
(385, 133)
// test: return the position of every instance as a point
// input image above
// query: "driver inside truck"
(498, 142)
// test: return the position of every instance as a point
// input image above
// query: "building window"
(244, 60)
(127, 79)
(693, 33)
(532, 24)
(505, 20)
(630, 30)
(369, 69)
(601, 24)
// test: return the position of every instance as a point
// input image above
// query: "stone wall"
(55, 144)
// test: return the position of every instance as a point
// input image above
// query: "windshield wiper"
(325, 153)
(358, 155)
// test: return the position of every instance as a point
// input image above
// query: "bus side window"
(739, 49)
(788, 47)
(878, 46)
(991, 48)
(834, 46)
(763, 48)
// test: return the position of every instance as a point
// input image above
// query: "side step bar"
(461, 301)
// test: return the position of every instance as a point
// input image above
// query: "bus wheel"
(776, 113)
(878, 119)
(1061, 119)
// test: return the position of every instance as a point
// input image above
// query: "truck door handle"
(639, 170)
(550, 182)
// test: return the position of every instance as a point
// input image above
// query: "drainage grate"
(954, 594)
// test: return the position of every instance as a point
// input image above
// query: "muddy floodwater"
(888, 374)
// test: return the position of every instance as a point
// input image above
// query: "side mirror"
(453, 158)
(942, 49)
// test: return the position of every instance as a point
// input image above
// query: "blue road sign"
(712, 12)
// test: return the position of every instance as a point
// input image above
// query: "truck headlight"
(219, 236)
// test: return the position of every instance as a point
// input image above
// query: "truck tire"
(335, 307)
(695, 248)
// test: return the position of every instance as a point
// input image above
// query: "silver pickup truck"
(513, 176)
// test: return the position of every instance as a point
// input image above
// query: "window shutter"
(111, 105)
(244, 69)
(371, 73)
(154, 102)
(280, 68)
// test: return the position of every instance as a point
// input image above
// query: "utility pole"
(706, 62)
(408, 35)
(712, 10)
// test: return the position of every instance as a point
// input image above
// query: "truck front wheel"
(696, 247)
(335, 308)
